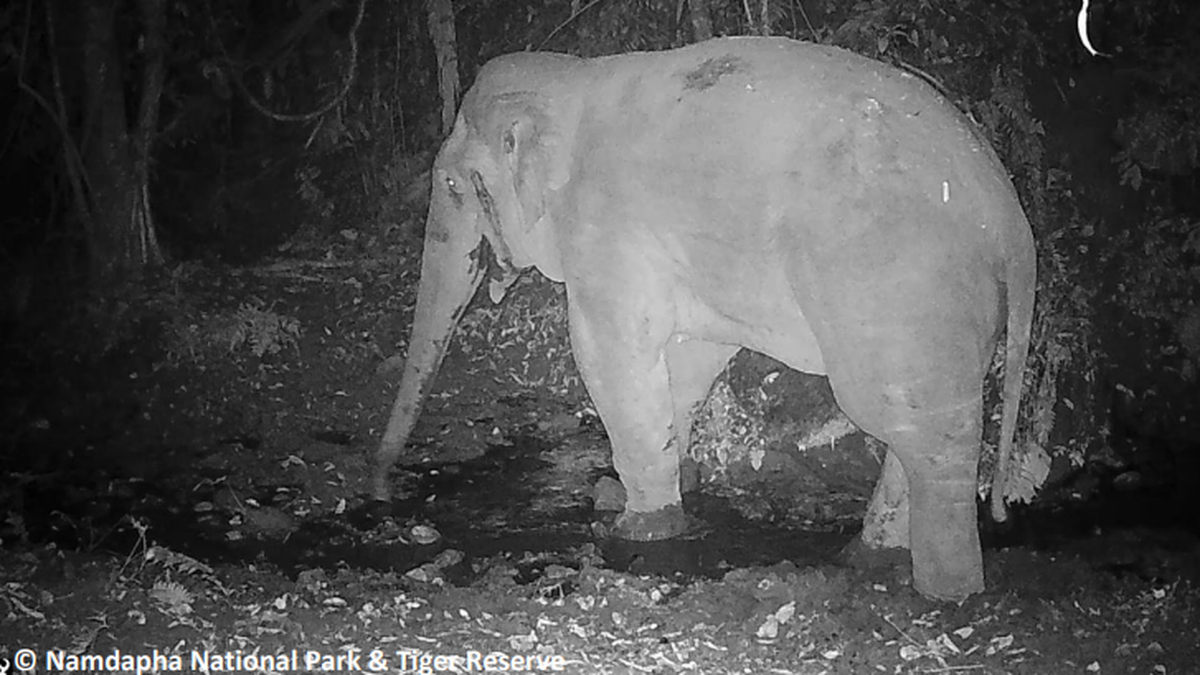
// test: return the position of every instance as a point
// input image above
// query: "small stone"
(448, 558)
(609, 494)
(424, 534)
(559, 424)
(553, 572)
(1130, 480)
(427, 573)
(390, 366)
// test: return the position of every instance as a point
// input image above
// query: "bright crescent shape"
(1081, 25)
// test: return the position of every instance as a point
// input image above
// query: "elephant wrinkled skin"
(800, 200)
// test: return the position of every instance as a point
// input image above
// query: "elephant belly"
(777, 329)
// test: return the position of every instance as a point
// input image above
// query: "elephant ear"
(535, 153)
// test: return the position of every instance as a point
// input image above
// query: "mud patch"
(709, 73)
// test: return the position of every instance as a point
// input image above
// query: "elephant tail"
(1020, 285)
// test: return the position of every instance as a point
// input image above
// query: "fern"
(172, 598)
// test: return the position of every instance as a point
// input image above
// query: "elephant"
(800, 200)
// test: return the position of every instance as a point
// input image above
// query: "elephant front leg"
(620, 355)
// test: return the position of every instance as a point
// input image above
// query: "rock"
(427, 573)
(424, 534)
(269, 521)
(608, 495)
(448, 558)
(390, 366)
(1130, 480)
(559, 424)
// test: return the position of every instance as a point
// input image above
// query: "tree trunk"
(442, 32)
(123, 240)
(154, 69)
(701, 19)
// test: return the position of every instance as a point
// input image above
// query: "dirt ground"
(187, 483)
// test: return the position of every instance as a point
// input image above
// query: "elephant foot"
(665, 523)
(950, 585)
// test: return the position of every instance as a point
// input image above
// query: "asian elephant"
(808, 203)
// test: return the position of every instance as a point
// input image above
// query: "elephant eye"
(454, 189)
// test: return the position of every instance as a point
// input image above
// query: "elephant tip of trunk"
(380, 490)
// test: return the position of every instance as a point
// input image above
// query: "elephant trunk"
(449, 279)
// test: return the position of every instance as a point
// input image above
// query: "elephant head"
(492, 183)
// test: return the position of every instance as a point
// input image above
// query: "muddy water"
(537, 499)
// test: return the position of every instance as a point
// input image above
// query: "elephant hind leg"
(938, 447)
(943, 526)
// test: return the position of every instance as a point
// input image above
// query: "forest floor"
(187, 482)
